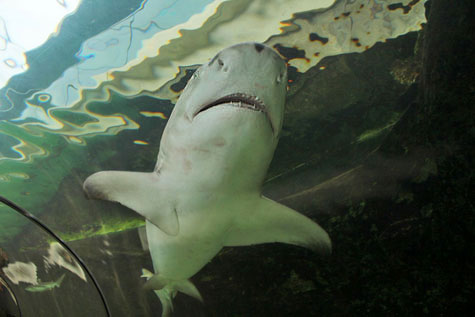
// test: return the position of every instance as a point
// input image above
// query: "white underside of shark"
(205, 191)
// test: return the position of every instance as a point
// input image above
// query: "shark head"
(233, 108)
(246, 76)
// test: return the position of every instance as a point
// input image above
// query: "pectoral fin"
(137, 191)
(273, 222)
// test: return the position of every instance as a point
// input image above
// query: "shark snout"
(247, 77)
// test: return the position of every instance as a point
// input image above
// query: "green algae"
(374, 133)
(105, 228)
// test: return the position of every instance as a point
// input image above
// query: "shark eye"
(220, 62)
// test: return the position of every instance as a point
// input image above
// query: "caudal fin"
(166, 296)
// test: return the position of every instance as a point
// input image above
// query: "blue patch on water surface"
(180, 12)
(126, 22)
(47, 62)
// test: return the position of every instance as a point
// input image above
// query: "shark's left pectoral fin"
(138, 191)
(273, 222)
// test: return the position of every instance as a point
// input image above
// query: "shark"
(205, 192)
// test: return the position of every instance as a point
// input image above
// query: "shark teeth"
(239, 100)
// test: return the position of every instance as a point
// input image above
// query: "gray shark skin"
(205, 191)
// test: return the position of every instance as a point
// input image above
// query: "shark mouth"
(240, 100)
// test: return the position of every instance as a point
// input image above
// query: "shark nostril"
(221, 65)
(259, 47)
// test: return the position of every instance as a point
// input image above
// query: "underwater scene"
(237, 158)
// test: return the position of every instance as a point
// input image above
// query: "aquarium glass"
(88, 86)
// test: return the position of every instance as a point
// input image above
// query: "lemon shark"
(205, 191)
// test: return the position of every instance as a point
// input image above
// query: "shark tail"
(166, 296)
(166, 289)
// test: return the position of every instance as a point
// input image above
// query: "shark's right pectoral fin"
(137, 191)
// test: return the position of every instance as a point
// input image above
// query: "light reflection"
(75, 140)
(21, 272)
(153, 114)
(62, 3)
(18, 175)
(25, 25)
(57, 255)
(10, 62)
(140, 142)
(26, 148)
(147, 52)
(44, 98)
(3, 283)
(27, 151)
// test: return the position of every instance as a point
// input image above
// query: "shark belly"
(180, 257)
